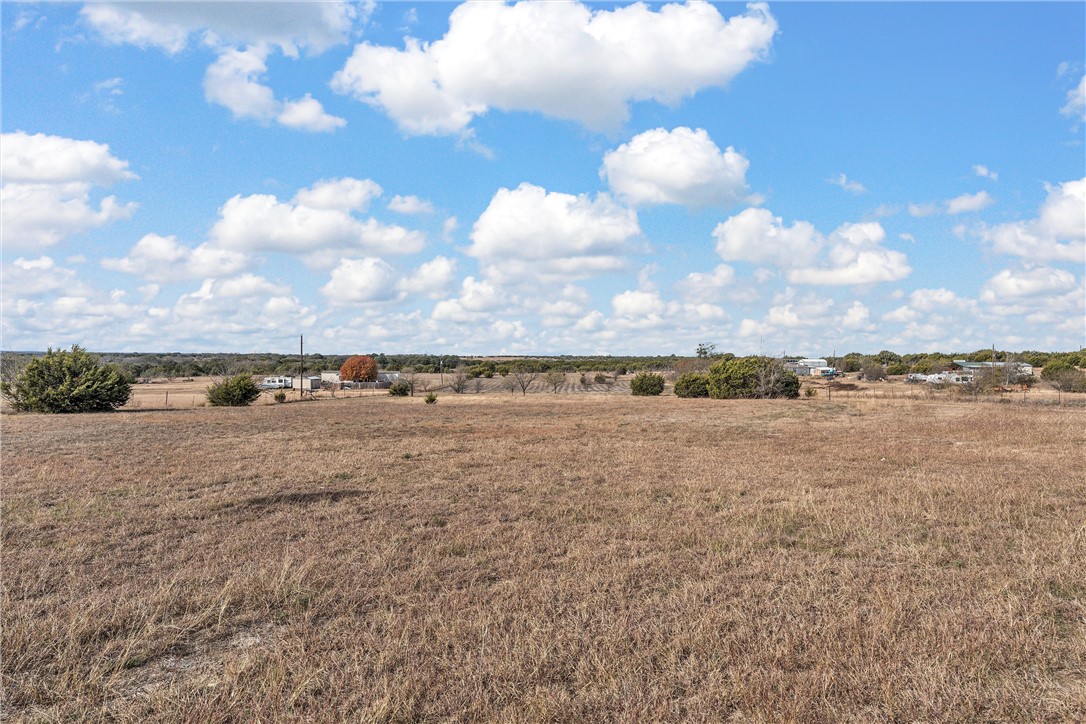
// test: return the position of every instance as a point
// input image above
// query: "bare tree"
(1013, 373)
(873, 372)
(11, 366)
(459, 380)
(410, 376)
(554, 379)
(976, 383)
(478, 385)
(768, 377)
(524, 379)
(773, 380)
(510, 383)
(217, 367)
(1069, 380)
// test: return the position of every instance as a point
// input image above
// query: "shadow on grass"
(307, 498)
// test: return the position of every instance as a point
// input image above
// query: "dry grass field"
(547, 558)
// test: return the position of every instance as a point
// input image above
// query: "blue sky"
(550, 178)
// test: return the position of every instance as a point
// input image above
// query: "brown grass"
(497, 557)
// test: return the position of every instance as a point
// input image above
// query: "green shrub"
(810, 392)
(1064, 376)
(647, 383)
(751, 377)
(430, 398)
(399, 389)
(67, 381)
(692, 384)
(280, 396)
(897, 368)
(236, 391)
(600, 378)
(922, 367)
(1055, 368)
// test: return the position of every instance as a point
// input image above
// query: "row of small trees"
(727, 379)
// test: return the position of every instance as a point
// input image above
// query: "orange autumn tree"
(358, 368)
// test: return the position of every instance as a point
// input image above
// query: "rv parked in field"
(941, 378)
(277, 383)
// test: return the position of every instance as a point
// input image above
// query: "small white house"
(307, 384)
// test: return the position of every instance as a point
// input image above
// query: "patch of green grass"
(134, 662)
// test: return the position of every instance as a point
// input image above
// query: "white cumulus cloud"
(477, 298)
(162, 259)
(856, 257)
(530, 231)
(853, 187)
(1076, 101)
(853, 253)
(432, 278)
(316, 220)
(755, 235)
(1058, 233)
(921, 210)
(47, 184)
(244, 33)
(307, 114)
(1015, 284)
(234, 82)
(563, 59)
(707, 286)
(681, 166)
(44, 159)
(858, 317)
(968, 203)
(33, 277)
(314, 27)
(410, 205)
(358, 281)
(340, 194)
(237, 309)
(645, 309)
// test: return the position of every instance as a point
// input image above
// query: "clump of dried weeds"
(547, 558)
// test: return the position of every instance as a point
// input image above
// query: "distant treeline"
(928, 363)
(176, 364)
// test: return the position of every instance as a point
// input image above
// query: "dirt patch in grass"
(549, 557)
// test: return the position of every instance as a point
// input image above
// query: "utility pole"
(301, 364)
(829, 385)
